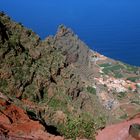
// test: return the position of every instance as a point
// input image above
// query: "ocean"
(111, 27)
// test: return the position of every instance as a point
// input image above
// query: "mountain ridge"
(60, 82)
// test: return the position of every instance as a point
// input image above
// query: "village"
(119, 85)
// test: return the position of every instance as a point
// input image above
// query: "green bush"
(77, 127)
(91, 90)
(133, 79)
(118, 75)
(105, 65)
(135, 102)
(121, 95)
(3, 85)
(123, 117)
(81, 127)
(13, 41)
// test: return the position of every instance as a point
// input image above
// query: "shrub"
(105, 65)
(135, 102)
(77, 127)
(14, 41)
(133, 79)
(123, 117)
(91, 90)
(121, 95)
(118, 75)
(82, 127)
(3, 85)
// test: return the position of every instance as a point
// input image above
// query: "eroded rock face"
(16, 125)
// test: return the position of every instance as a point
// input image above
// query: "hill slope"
(59, 82)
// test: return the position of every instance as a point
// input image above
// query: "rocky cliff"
(59, 86)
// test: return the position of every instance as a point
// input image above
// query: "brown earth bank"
(16, 125)
(127, 130)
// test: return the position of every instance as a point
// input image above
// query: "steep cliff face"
(69, 43)
(31, 66)
(60, 85)
(39, 77)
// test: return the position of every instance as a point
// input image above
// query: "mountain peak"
(63, 30)
(67, 88)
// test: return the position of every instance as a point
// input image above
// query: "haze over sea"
(111, 27)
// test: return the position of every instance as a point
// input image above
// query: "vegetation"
(123, 117)
(81, 127)
(135, 102)
(105, 65)
(91, 90)
(112, 69)
(118, 69)
(121, 95)
(118, 75)
(132, 69)
(133, 79)
(43, 74)
(56, 104)
(3, 85)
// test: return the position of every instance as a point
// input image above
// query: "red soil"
(16, 125)
(119, 131)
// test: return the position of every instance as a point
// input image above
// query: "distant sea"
(111, 27)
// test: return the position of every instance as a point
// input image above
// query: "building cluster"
(119, 85)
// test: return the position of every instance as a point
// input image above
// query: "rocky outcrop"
(31, 66)
(74, 49)
(16, 125)
(42, 78)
